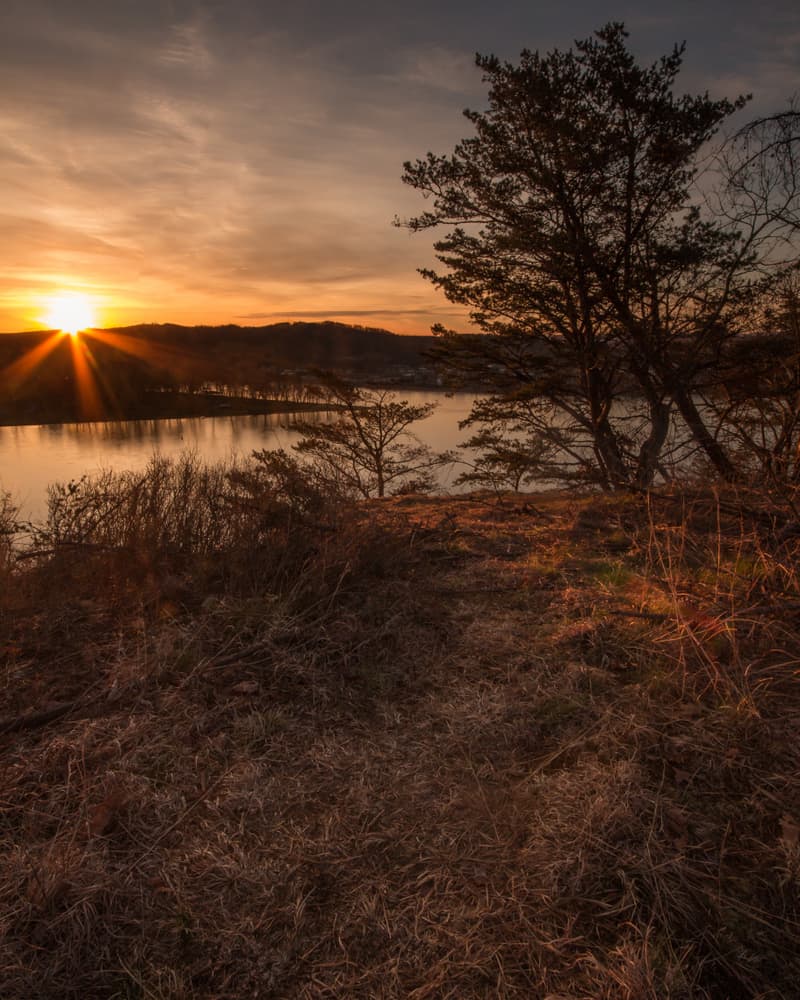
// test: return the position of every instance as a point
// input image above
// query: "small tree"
(507, 451)
(503, 462)
(369, 450)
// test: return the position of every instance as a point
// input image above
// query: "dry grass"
(424, 748)
(8, 530)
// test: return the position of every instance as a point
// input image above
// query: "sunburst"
(70, 312)
(72, 316)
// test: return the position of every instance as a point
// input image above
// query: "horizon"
(55, 330)
(206, 164)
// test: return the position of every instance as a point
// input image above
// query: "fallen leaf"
(245, 687)
(676, 827)
(790, 832)
(43, 894)
(168, 610)
(103, 816)
(101, 819)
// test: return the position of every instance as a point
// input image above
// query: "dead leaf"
(245, 687)
(101, 819)
(790, 832)
(168, 610)
(158, 885)
(676, 827)
(103, 816)
(47, 893)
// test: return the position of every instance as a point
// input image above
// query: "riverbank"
(511, 746)
(161, 405)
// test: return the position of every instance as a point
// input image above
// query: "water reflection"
(33, 457)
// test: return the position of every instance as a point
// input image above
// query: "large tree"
(582, 238)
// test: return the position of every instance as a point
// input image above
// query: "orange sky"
(198, 162)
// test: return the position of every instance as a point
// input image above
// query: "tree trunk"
(713, 449)
(650, 452)
(606, 444)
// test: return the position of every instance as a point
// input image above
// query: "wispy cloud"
(323, 313)
(199, 161)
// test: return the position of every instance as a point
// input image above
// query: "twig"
(33, 720)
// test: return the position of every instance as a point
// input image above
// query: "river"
(32, 457)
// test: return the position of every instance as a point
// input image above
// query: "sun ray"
(89, 399)
(89, 349)
(21, 369)
(145, 350)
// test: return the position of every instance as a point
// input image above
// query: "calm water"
(33, 457)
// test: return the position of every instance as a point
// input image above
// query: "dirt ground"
(520, 746)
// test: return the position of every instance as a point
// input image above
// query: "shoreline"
(188, 405)
(185, 406)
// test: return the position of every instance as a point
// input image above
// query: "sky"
(239, 161)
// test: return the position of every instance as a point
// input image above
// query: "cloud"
(191, 159)
(327, 313)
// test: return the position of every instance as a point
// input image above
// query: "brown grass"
(535, 747)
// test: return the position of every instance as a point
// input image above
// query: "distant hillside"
(241, 354)
(40, 376)
(329, 344)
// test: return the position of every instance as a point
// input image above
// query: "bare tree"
(369, 450)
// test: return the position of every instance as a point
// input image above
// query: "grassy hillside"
(428, 747)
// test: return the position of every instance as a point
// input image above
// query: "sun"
(70, 312)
